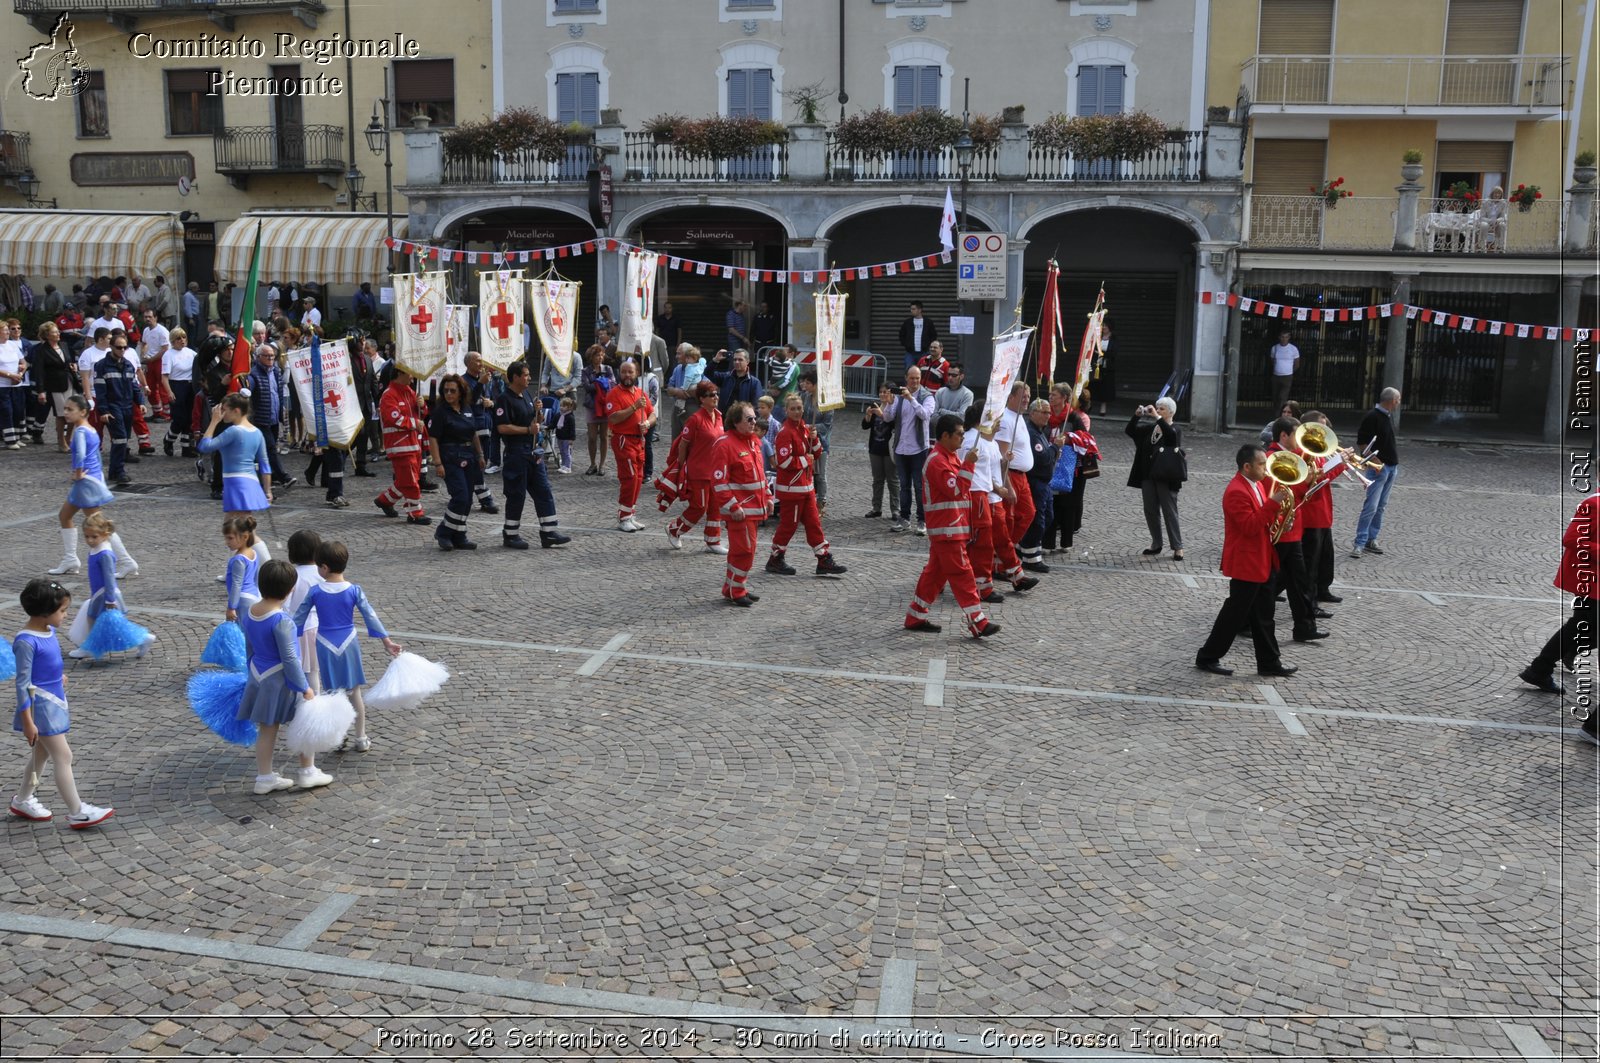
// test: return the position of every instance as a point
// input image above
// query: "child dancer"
(303, 556)
(336, 602)
(244, 566)
(103, 626)
(276, 683)
(89, 492)
(42, 706)
(567, 431)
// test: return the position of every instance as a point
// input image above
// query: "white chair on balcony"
(1448, 231)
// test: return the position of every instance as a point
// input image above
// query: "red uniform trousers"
(158, 394)
(140, 428)
(1007, 565)
(741, 555)
(630, 472)
(980, 548)
(800, 509)
(407, 486)
(699, 508)
(1022, 511)
(947, 563)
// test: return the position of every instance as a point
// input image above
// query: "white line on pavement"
(1290, 722)
(1528, 1042)
(898, 990)
(933, 696)
(320, 918)
(606, 652)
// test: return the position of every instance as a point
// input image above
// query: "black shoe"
(1281, 671)
(1322, 614)
(1214, 667)
(1545, 682)
(1152, 552)
(419, 519)
(513, 542)
(489, 506)
(1331, 599)
(1026, 583)
(188, 452)
(1374, 548)
(777, 566)
(429, 485)
(986, 630)
(1280, 598)
(924, 625)
(874, 513)
(1035, 566)
(743, 601)
(827, 566)
(1310, 636)
(388, 510)
(285, 483)
(125, 479)
(465, 544)
(166, 447)
(994, 597)
(550, 540)
(446, 545)
(216, 496)
(132, 459)
(362, 470)
(752, 597)
(146, 449)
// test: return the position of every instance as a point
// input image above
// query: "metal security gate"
(1448, 369)
(1143, 315)
(1341, 362)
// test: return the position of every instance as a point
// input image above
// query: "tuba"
(1289, 470)
(1315, 440)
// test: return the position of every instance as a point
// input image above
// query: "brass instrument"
(1315, 440)
(1287, 469)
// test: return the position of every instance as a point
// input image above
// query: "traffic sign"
(981, 266)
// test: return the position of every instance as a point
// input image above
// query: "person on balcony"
(1491, 221)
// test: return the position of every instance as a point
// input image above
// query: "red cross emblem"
(333, 400)
(422, 318)
(501, 320)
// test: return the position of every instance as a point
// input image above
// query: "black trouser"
(362, 447)
(331, 464)
(1295, 583)
(1248, 605)
(271, 432)
(181, 427)
(521, 476)
(119, 422)
(1576, 636)
(216, 458)
(456, 463)
(1317, 545)
(1030, 548)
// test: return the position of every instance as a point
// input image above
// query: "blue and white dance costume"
(244, 462)
(91, 491)
(338, 650)
(276, 681)
(242, 589)
(98, 628)
(39, 683)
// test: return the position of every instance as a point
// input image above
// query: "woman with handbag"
(1079, 463)
(1159, 470)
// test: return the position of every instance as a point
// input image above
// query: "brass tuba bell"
(1290, 470)
(1315, 440)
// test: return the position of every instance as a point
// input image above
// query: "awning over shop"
(64, 243)
(319, 248)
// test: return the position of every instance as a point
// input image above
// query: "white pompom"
(320, 724)
(406, 683)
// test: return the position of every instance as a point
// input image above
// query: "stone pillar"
(1405, 218)
(1011, 162)
(1580, 212)
(1207, 405)
(1233, 362)
(1394, 352)
(805, 255)
(424, 153)
(808, 152)
(1555, 405)
(1224, 156)
(608, 141)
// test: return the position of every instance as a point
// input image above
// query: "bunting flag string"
(444, 255)
(1442, 318)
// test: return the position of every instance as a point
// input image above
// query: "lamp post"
(28, 184)
(378, 141)
(964, 150)
(355, 181)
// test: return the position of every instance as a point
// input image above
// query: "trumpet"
(1287, 469)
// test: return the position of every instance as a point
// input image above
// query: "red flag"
(1050, 322)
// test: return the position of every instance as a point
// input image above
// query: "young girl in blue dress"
(338, 650)
(244, 565)
(102, 626)
(88, 493)
(276, 684)
(246, 468)
(41, 713)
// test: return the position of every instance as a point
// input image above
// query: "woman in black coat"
(52, 378)
(1153, 433)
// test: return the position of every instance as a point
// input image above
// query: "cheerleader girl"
(276, 682)
(238, 533)
(102, 626)
(42, 707)
(89, 492)
(303, 556)
(338, 651)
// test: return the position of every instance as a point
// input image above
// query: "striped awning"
(319, 248)
(64, 243)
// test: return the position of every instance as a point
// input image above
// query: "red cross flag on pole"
(500, 317)
(420, 317)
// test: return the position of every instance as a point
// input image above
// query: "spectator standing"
(214, 303)
(138, 296)
(52, 376)
(310, 317)
(161, 301)
(880, 451)
(910, 411)
(680, 385)
(955, 396)
(737, 384)
(1152, 431)
(365, 304)
(1284, 357)
(1377, 430)
(738, 334)
(764, 329)
(266, 408)
(54, 301)
(934, 366)
(917, 334)
(668, 327)
(191, 308)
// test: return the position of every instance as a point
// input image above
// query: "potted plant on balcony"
(509, 134)
(807, 100)
(1525, 196)
(1101, 136)
(663, 128)
(1411, 165)
(1583, 171)
(1332, 191)
(1461, 196)
(721, 137)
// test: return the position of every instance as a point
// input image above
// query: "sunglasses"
(119, 346)
(750, 420)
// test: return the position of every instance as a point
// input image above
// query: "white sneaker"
(266, 784)
(636, 525)
(674, 542)
(565, 470)
(69, 566)
(922, 529)
(89, 815)
(311, 778)
(716, 548)
(29, 808)
(898, 526)
(491, 470)
(626, 526)
(220, 579)
(128, 571)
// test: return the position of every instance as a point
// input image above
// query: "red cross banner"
(457, 340)
(555, 318)
(420, 322)
(338, 399)
(500, 316)
(638, 303)
(830, 350)
(1009, 349)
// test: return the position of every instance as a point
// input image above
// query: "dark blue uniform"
(454, 432)
(522, 472)
(488, 438)
(116, 393)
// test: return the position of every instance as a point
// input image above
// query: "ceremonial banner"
(419, 320)
(457, 342)
(323, 380)
(1050, 334)
(1090, 350)
(1008, 352)
(555, 317)
(638, 307)
(830, 350)
(500, 316)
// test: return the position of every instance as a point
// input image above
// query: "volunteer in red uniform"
(695, 447)
(794, 457)
(1011, 434)
(1247, 561)
(1293, 579)
(1578, 576)
(1317, 516)
(401, 418)
(988, 512)
(739, 494)
(947, 501)
(629, 416)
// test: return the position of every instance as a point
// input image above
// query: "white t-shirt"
(1284, 355)
(309, 318)
(110, 323)
(152, 339)
(1013, 429)
(178, 363)
(916, 333)
(91, 354)
(10, 361)
(982, 473)
(308, 577)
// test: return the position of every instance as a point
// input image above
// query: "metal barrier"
(864, 372)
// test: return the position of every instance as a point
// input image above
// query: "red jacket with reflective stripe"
(794, 454)
(947, 495)
(401, 419)
(1578, 545)
(738, 478)
(696, 444)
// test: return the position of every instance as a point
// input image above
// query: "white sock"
(263, 555)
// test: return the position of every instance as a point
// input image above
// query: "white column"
(1211, 273)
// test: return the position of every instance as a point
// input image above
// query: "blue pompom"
(112, 633)
(225, 648)
(215, 698)
(8, 663)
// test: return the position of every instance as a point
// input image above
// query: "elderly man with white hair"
(1155, 439)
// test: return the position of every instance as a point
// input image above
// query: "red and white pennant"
(1459, 322)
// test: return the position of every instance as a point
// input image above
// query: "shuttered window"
(93, 119)
(425, 86)
(192, 109)
(1289, 167)
(578, 98)
(1100, 89)
(1298, 29)
(1474, 156)
(1482, 28)
(915, 87)
(750, 93)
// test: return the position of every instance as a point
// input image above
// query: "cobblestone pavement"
(781, 826)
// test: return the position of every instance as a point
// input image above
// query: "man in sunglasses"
(116, 394)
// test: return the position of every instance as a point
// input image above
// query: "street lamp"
(355, 180)
(28, 184)
(377, 132)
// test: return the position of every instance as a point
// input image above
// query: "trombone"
(1319, 441)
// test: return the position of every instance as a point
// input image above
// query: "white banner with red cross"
(419, 322)
(457, 342)
(830, 350)
(638, 307)
(338, 400)
(555, 318)
(500, 316)
(1008, 351)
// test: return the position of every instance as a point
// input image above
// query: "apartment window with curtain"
(1293, 31)
(93, 118)
(425, 86)
(192, 109)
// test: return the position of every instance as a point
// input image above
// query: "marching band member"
(796, 451)
(402, 441)
(1247, 560)
(1577, 576)
(947, 501)
(740, 492)
(695, 447)
(1293, 578)
(1317, 516)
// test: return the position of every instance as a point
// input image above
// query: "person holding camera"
(1158, 471)
(910, 411)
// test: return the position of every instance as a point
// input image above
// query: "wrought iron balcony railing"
(1181, 158)
(13, 153)
(843, 164)
(277, 149)
(646, 159)
(521, 168)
